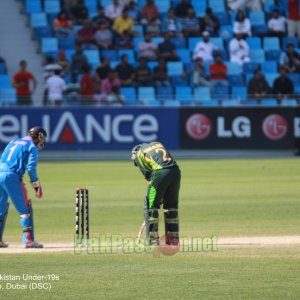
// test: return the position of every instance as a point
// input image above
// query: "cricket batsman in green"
(163, 174)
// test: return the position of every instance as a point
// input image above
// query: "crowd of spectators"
(114, 28)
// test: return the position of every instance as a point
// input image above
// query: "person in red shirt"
(86, 86)
(85, 36)
(62, 25)
(294, 18)
(22, 81)
(149, 13)
(218, 72)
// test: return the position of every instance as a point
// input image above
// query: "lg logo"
(275, 127)
(198, 126)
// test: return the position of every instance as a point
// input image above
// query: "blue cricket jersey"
(20, 155)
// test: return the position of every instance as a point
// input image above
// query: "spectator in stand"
(22, 81)
(294, 18)
(161, 74)
(171, 24)
(283, 86)
(124, 41)
(103, 70)
(258, 86)
(181, 10)
(252, 5)
(242, 24)
(277, 25)
(103, 37)
(62, 26)
(148, 49)
(114, 10)
(100, 18)
(199, 77)
(218, 72)
(125, 71)
(239, 50)
(63, 62)
(85, 36)
(149, 13)
(55, 87)
(124, 22)
(210, 23)
(115, 98)
(50, 67)
(111, 81)
(143, 76)
(79, 12)
(79, 61)
(133, 11)
(86, 86)
(167, 50)
(290, 59)
(205, 49)
(190, 25)
(153, 28)
(279, 6)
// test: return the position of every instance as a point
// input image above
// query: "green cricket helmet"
(134, 152)
(38, 135)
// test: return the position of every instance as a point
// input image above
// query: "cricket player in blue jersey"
(19, 156)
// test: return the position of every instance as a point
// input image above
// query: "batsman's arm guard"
(3, 222)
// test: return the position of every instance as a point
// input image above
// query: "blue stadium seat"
(257, 55)
(289, 102)
(92, 56)
(220, 92)
(38, 20)
(164, 93)
(270, 77)
(5, 81)
(153, 103)
(223, 17)
(289, 39)
(178, 80)
(157, 40)
(152, 65)
(294, 77)
(136, 41)
(52, 6)
(250, 67)
(179, 43)
(273, 55)
(129, 94)
(230, 102)
(184, 55)
(2, 68)
(216, 5)
(42, 32)
(174, 68)
(268, 102)
(49, 45)
(139, 30)
(239, 93)
(271, 43)
(140, 3)
(269, 67)
(32, 6)
(259, 30)
(254, 42)
(257, 18)
(226, 32)
(163, 6)
(171, 103)
(146, 94)
(69, 54)
(111, 54)
(130, 53)
(192, 42)
(236, 80)
(249, 102)
(184, 95)
(199, 7)
(218, 42)
(202, 94)
(67, 42)
(233, 68)
(8, 96)
(209, 103)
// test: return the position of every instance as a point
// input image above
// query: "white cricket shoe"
(33, 245)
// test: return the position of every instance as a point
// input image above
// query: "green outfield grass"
(223, 198)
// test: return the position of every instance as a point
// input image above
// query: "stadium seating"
(130, 53)
(129, 94)
(49, 46)
(8, 96)
(33, 6)
(146, 94)
(52, 6)
(38, 20)
(183, 95)
(202, 94)
(5, 81)
(257, 55)
(164, 93)
(174, 68)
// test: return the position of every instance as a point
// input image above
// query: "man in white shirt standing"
(239, 50)
(205, 49)
(114, 10)
(55, 87)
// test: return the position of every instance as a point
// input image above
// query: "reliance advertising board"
(93, 129)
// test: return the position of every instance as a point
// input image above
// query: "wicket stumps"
(82, 229)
